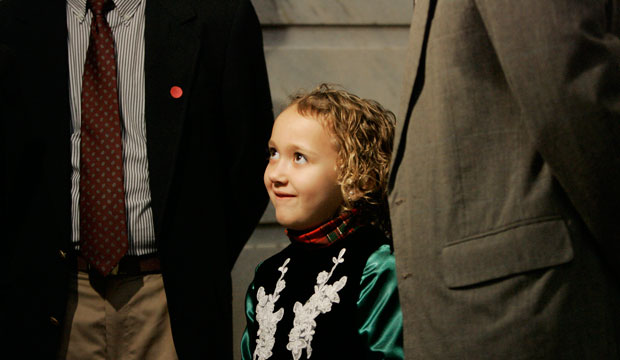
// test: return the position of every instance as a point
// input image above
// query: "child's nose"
(277, 173)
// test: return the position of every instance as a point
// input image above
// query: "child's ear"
(369, 184)
(365, 186)
(353, 195)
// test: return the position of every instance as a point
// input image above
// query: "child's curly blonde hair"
(363, 132)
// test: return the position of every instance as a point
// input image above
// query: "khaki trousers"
(117, 317)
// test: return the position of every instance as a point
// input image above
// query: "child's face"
(301, 177)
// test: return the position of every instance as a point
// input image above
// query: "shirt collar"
(326, 234)
(126, 8)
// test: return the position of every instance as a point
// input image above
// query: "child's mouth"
(280, 195)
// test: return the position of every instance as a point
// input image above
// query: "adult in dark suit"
(206, 156)
(505, 183)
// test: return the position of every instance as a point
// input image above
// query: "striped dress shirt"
(127, 23)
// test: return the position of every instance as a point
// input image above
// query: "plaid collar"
(326, 234)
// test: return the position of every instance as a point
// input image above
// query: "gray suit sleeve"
(561, 59)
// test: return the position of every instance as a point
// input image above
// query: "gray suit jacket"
(505, 182)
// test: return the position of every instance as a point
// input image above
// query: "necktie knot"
(100, 7)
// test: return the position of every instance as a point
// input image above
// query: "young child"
(331, 294)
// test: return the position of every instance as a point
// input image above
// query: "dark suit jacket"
(206, 155)
(505, 181)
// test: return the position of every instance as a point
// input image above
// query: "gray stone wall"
(358, 44)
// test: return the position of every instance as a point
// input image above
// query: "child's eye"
(300, 158)
(273, 154)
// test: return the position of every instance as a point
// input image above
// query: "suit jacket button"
(54, 321)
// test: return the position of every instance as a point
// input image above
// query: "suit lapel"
(38, 40)
(44, 43)
(46, 84)
(423, 11)
(171, 49)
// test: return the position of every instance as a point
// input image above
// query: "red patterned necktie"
(103, 222)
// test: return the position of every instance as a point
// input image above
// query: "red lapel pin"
(176, 92)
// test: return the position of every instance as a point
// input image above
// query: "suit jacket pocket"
(528, 246)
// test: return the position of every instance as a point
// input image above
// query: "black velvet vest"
(336, 332)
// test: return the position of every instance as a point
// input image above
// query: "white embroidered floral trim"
(267, 318)
(320, 302)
